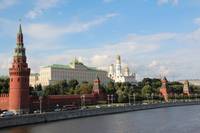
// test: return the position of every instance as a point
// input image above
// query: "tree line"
(121, 91)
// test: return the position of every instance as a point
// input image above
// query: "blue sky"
(154, 37)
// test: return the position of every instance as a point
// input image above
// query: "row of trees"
(65, 88)
(121, 91)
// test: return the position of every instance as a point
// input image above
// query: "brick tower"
(186, 88)
(96, 88)
(19, 79)
(163, 89)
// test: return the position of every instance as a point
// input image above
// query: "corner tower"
(19, 78)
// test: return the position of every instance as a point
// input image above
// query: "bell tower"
(19, 78)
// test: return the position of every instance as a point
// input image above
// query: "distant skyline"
(153, 36)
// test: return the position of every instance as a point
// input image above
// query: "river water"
(164, 120)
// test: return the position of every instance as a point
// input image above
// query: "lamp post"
(147, 98)
(112, 98)
(40, 99)
(129, 99)
(175, 97)
(108, 99)
(82, 100)
(152, 97)
(134, 98)
(196, 96)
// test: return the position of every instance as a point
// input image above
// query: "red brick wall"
(50, 102)
(4, 101)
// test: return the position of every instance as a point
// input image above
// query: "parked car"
(7, 113)
(98, 107)
(70, 107)
(36, 111)
(57, 110)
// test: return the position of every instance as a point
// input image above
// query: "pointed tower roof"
(20, 28)
(19, 50)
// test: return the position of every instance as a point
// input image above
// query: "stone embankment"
(56, 116)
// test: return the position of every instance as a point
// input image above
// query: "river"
(184, 119)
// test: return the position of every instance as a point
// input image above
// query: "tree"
(38, 87)
(85, 88)
(110, 89)
(147, 90)
(4, 84)
(73, 83)
(52, 90)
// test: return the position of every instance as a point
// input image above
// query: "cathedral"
(117, 74)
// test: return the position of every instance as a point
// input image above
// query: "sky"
(154, 37)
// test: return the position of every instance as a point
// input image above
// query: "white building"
(195, 82)
(34, 79)
(75, 70)
(115, 73)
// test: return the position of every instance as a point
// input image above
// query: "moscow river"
(164, 120)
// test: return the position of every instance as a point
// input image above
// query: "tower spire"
(20, 35)
(20, 28)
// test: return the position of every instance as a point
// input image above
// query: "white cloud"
(7, 3)
(153, 64)
(41, 6)
(197, 21)
(174, 2)
(5, 63)
(46, 31)
(175, 55)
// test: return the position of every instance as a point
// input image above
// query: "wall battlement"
(4, 95)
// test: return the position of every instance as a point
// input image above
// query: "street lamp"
(112, 98)
(196, 96)
(40, 99)
(82, 100)
(129, 99)
(147, 98)
(175, 97)
(134, 98)
(108, 99)
(152, 97)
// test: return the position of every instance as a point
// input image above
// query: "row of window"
(18, 79)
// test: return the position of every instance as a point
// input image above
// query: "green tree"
(4, 84)
(110, 89)
(85, 88)
(147, 90)
(73, 83)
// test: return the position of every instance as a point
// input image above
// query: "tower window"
(18, 79)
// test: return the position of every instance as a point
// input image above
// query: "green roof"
(59, 66)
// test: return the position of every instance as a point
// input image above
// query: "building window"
(18, 79)
(11, 79)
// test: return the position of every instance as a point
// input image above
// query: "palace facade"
(75, 70)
